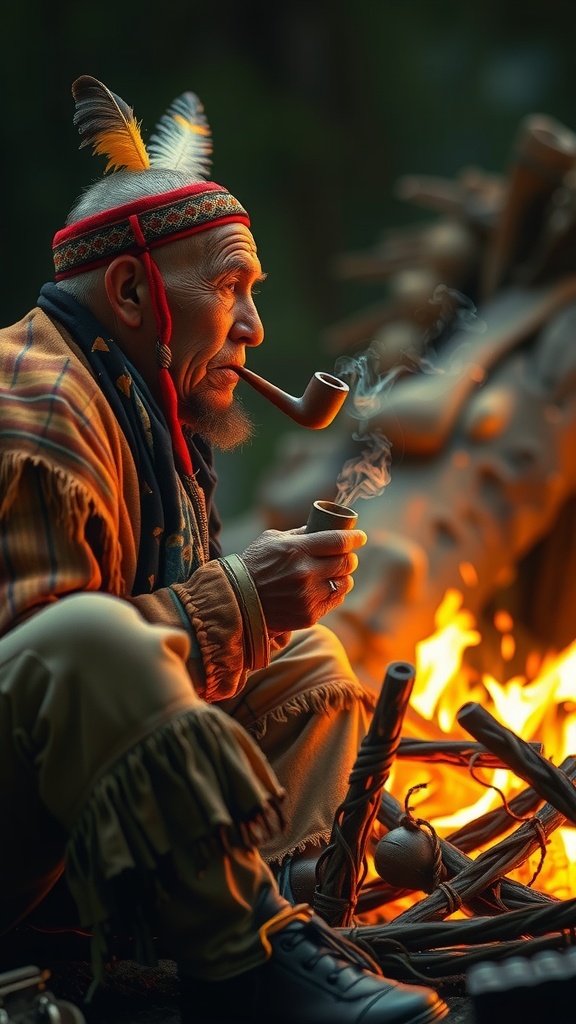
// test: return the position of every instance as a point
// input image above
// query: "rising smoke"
(366, 475)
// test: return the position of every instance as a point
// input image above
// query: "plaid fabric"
(55, 456)
(63, 455)
(70, 507)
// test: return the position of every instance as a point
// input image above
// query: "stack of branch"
(342, 867)
(506, 916)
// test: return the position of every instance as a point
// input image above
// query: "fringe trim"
(194, 788)
(319, 840)
(72, 501)
(335, 696)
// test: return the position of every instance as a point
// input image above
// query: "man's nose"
(248, 331)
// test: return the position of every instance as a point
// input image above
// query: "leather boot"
(312, 976)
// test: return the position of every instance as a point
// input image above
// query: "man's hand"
(301, 576)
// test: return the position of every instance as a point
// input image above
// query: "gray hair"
(116, 190)
(125, 187)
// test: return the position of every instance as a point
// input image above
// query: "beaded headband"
(182, 142)
(143, 224)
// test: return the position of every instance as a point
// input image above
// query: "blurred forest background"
(316, 109)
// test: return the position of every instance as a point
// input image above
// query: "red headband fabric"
(137, 228)
(95, 241)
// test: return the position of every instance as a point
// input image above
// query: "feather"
(182, 139)
(108, 125)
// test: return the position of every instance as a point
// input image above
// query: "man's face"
(210, 281)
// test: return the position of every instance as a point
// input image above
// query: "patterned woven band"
(94, 241)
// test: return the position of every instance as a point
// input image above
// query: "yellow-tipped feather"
(200, 129)
(108, 124)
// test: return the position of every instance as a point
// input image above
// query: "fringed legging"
(161, 808)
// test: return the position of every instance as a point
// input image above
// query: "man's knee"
(97, 654)
(92, 624)
(321, 652)
(81, 683)
(93, 628)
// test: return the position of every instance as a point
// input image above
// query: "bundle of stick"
(444, 950)
(508, 917)
(342, 867)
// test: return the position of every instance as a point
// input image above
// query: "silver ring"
(333, 586)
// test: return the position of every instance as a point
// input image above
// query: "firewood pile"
(498, 916)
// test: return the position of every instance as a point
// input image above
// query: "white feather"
(182, 139)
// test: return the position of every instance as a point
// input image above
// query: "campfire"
(539, 707)
(456, 842)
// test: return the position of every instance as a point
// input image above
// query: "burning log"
(341, 868)
(454, 752)
(513, 256)
(503, 371)
(492, 864)
(547, 780)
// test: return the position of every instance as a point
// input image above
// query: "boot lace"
(328, 941)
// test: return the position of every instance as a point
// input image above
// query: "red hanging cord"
(164, 330)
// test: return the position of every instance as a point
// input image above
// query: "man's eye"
(232, 285)
(229, 285)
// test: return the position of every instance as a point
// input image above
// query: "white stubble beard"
(224, 429)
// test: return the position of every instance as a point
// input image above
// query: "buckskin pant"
(161, 807)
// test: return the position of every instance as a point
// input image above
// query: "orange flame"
(542, 708)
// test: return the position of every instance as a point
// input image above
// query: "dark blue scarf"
(168, 550)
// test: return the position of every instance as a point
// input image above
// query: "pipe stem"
(320, 403)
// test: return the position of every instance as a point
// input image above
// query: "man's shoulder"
(38, 352)
(52, 408)
(48, 391)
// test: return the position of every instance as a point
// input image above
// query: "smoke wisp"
(366, 475)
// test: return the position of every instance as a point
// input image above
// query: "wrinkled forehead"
(223, 247)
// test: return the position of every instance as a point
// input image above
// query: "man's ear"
(127, 289)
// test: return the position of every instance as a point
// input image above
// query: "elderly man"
(132, 654)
